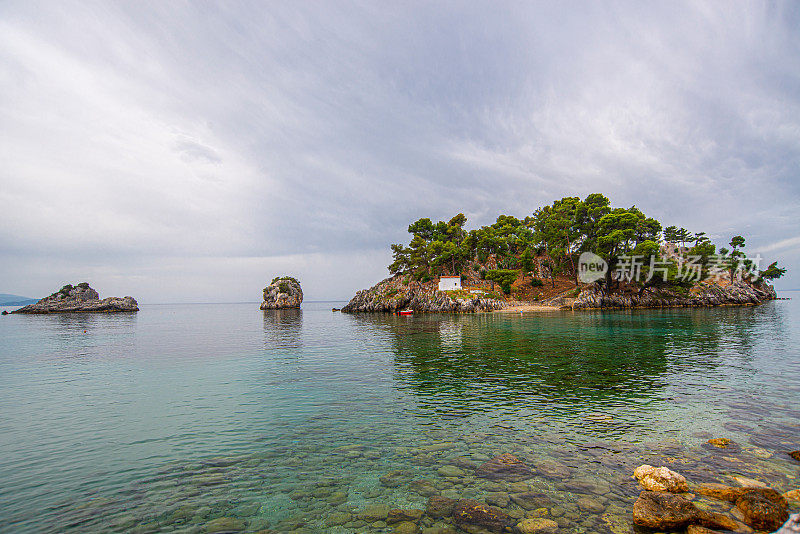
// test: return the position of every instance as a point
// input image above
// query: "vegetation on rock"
(282, 292)
(547, 245)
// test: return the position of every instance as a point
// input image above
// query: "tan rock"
(720, 443)
(719, 491)
(660, 479)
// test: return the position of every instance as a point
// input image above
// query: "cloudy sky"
(190, 151)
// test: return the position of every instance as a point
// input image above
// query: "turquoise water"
(166, 420)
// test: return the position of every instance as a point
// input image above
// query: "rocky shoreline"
(81, 299)
(702, 295)
(393, 294)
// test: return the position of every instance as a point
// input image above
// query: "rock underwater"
(80, 298)
(284, 292)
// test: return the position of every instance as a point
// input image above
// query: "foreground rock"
(80, 298)
(660, 479)
(704, 294)
(393, 294)
(668, 511)
(284, 292)
(763, 508)
(663, 511)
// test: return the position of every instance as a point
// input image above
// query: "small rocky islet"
(284, 292)
(454, 485)
(80, 298)
(574, 254)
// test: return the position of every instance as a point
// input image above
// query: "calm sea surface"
(172, 418)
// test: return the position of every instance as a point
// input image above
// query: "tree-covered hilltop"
(548, 243)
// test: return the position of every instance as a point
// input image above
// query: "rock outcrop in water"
(704, 294)
(393, 294)
(80, 298)
(284, 292)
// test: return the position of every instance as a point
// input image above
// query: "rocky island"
(574, 254)
(283, 292)
(79, 298)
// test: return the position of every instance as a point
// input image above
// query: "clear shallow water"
(167, 419)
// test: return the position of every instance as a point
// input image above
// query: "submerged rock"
(505, 467)
(80, 298)
(471, 512)
(537, 525)
(795, 455)
(406, 527)
(374, 512)
(224, 524)
(439, 506)
(531, 500)
(283, 292)
(660, 479)
(665, 511)
(400, 515)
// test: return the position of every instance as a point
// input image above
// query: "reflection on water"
(178, 416)
(282, 328)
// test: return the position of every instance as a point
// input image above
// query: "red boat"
(405, 312)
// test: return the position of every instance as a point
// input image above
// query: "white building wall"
(449, 284)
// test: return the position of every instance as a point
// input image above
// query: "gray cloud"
(240, 134)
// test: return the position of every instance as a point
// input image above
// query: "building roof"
(449, 277)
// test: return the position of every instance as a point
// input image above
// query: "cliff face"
(80, 298)
(283, 292)
(706, 294)
(392, 295)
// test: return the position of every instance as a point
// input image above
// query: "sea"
(226, 418)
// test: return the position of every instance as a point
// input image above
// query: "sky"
(191, 151)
